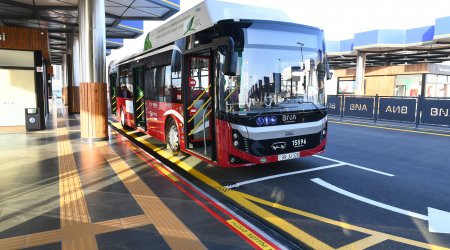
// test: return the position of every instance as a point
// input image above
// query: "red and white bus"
(223, 84)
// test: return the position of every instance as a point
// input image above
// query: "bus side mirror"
(226, 47)
(230, 63)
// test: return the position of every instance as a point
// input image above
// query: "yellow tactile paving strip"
(77, 231)
(174, 232)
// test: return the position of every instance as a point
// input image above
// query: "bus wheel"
(173, 141)
(122, 118)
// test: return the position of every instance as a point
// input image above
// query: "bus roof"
(203, 16)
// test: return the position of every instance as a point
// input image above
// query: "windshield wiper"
(314, 106)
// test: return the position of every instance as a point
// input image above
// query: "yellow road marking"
(364, 243)
(172, 229)
(245, 201)
(77, 232)
(342, 224)
(266, 215)
(249, 235)
(387, 128)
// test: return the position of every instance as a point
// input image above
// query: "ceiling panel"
(138, 13)
(61, 16)
(118, 11)
(144, 3)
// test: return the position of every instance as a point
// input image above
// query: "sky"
(339, 19)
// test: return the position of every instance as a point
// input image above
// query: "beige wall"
(17, 93)
(381, 85)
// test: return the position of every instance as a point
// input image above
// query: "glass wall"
(408, 85)
(437, 86)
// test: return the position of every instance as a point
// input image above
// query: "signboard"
(2, 36)
(334, 104)
(39, 69)
(359, 106)
(397, 109)
(436, 112)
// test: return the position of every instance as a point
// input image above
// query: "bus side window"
(150, 90)
(168, 89)
(176, 87)
(159, 83)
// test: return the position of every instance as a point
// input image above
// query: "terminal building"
(393, 62)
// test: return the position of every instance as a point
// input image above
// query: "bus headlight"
(236, 143)
(235, 136)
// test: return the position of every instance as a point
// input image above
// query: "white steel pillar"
(93, 111)
(360, 72)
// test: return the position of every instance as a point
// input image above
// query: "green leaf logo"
(147, 42)
(189, 26)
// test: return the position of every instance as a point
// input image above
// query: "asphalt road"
(414, 174)
(374, 188)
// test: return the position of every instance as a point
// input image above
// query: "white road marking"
(366, 200)
(438, 220)
(355, 166)
(282, 175)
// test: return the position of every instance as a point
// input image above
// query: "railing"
(414, 110)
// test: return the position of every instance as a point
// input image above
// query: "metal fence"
(414, 110)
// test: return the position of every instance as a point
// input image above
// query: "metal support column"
(93, 113)
(360, 72)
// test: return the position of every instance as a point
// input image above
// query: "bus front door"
(199, 108)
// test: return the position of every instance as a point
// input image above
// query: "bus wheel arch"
(172, 135)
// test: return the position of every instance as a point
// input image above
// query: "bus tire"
(122, 118)
(173, 137)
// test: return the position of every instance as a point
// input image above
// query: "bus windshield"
(276, 70)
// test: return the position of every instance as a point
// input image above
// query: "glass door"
(199, 107)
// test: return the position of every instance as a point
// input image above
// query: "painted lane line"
(438, 220)
(235, 185)
(366, 200)
(355, 166)
(394, 129)
(258, 211)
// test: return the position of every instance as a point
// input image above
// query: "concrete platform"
(57, 192)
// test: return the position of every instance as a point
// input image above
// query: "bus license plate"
(288, 156)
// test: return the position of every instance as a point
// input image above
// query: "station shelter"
(405, 63)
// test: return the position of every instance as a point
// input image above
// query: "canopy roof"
(60, 18)
(428, 44)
